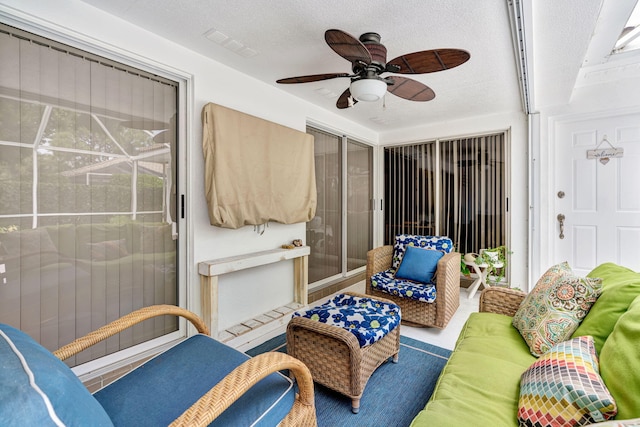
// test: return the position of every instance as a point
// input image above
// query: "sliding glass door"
(324, 231)
(341, 232)
(473, 198)
(358, 203)
(455, 188)
(88, 227)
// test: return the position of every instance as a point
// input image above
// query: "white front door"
(599, 198)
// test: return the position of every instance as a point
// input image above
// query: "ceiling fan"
(368, 59)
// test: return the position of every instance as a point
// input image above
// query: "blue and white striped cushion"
(37, 389)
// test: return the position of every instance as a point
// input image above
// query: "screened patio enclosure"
(87, 206)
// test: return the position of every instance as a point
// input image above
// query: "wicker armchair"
(500, 300)
(255, 379)
(417, 313)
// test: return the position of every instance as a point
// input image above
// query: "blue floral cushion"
(419, 264)
(366, 318)
(440, 243)
(386, 282)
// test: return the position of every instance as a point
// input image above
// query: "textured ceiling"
(288, 39)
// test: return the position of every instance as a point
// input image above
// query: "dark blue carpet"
(394, 394)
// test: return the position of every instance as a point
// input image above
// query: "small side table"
(482, 272)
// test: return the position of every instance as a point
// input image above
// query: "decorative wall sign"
(605, 154)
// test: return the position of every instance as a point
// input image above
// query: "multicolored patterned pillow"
(552, 311)
(367, 318)
(564, 388)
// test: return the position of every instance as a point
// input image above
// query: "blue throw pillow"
(37, 389)
(419, 264)
(403, 241)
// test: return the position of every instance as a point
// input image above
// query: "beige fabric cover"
(256, 171)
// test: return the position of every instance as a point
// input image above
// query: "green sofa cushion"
(620, 286)
(489, 358)
(619, 362)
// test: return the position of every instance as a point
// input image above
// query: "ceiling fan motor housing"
(377, 50)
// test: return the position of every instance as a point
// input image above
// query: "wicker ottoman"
(335, 356)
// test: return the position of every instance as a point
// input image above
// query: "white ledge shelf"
(210, 270)
(256, 259)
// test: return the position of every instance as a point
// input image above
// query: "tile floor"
(445, 338)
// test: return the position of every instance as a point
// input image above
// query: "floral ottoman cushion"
(367, 318)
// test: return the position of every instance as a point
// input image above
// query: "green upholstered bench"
(480, 385)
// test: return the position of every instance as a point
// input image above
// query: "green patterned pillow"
(564, 388)
(552, 311)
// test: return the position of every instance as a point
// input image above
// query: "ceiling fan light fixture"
(368, 90)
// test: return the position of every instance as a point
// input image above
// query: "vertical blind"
(342, 231)
(410, 196)
(324, 231)
(87, 171)
(359, 212)
(455, 188)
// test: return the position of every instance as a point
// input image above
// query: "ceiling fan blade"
(410, 89)
(311, 78)
(346, 100)
(347, 46)
(428, 61)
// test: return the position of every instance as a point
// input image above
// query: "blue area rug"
(394, 394)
